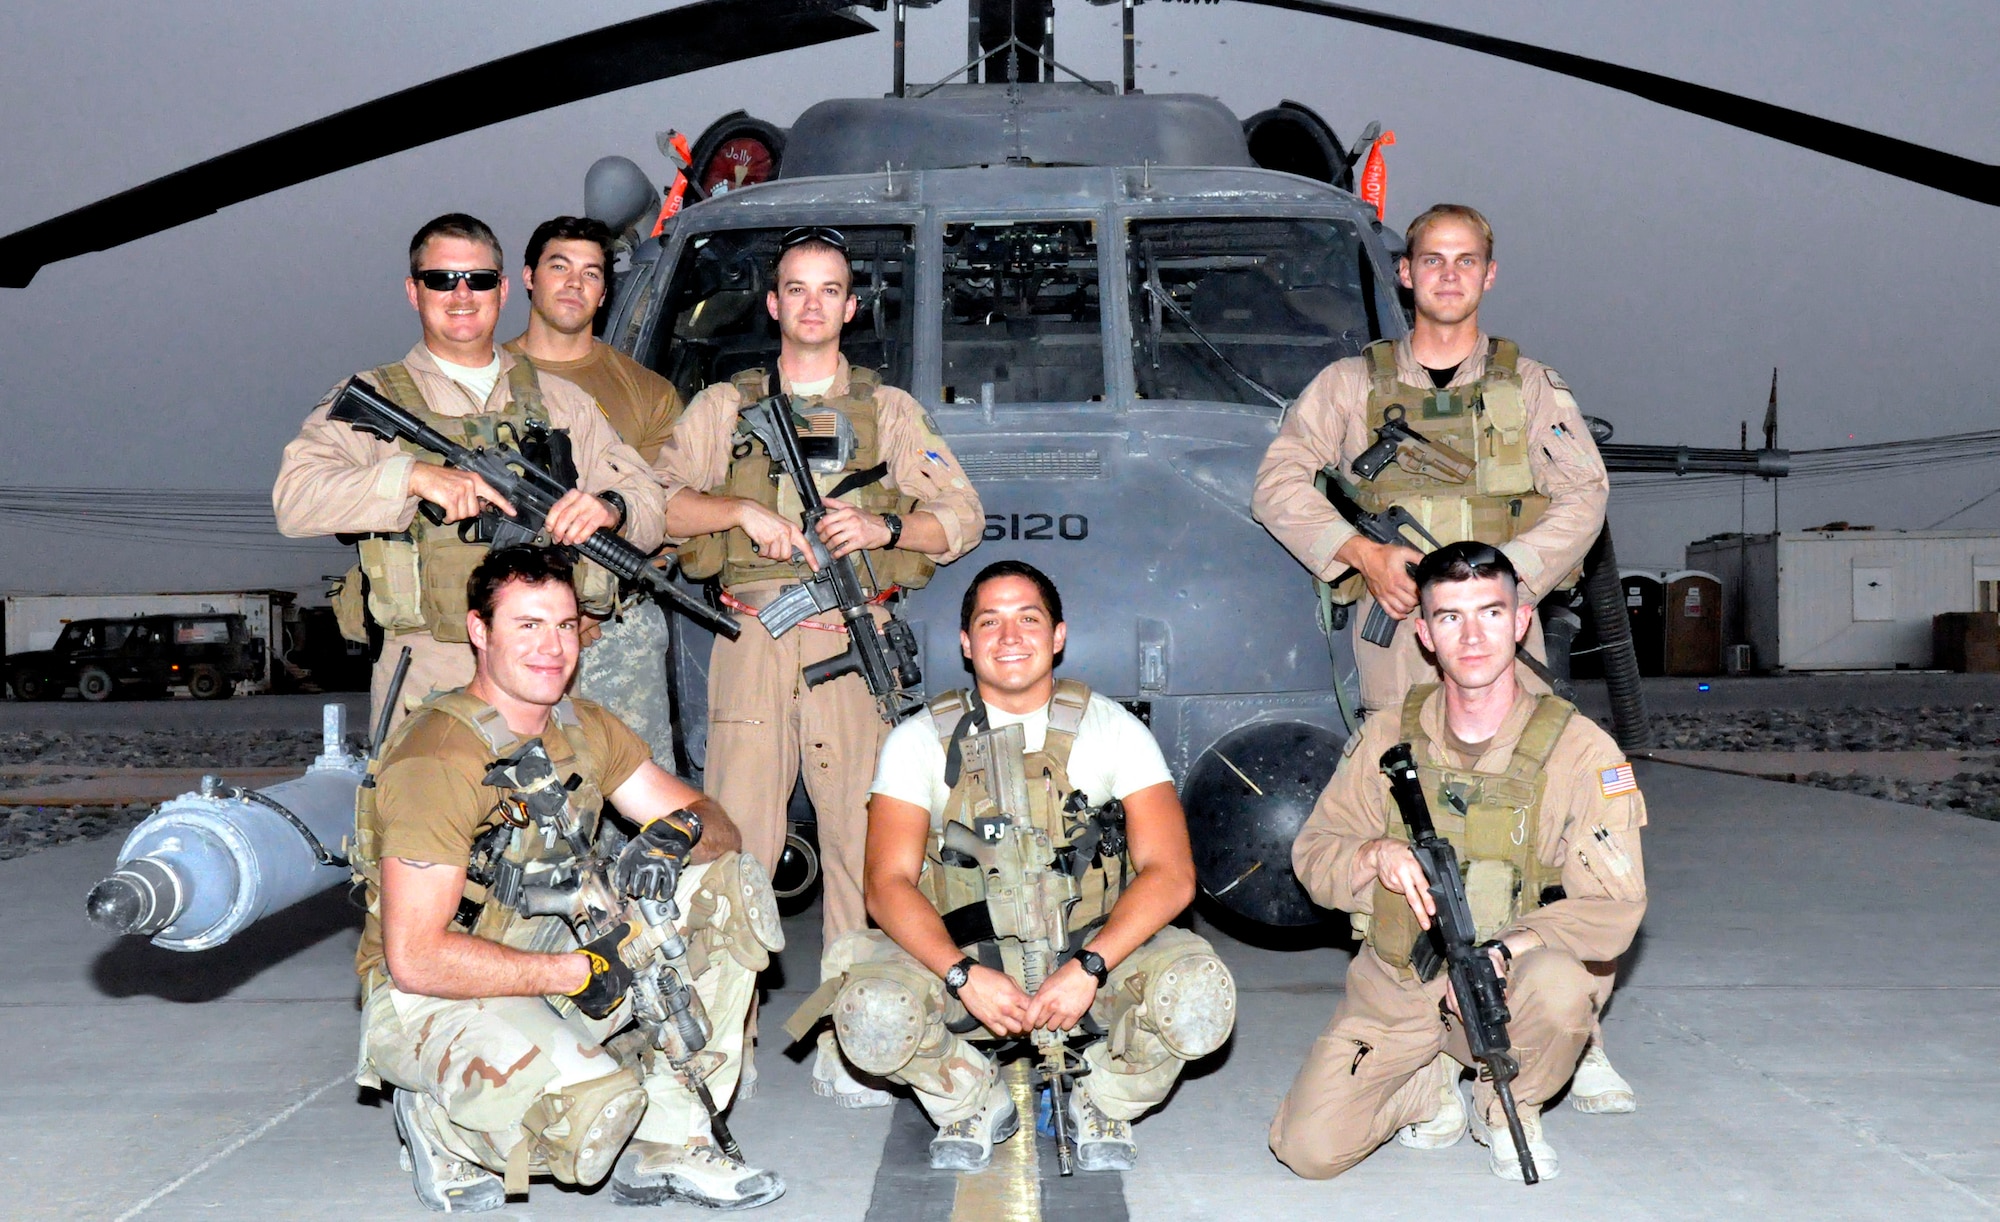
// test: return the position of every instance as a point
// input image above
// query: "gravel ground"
(24, 829)
(1969, 793)
(1930, 728)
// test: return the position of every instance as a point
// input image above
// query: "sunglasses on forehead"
(444, 281)
(812, 233)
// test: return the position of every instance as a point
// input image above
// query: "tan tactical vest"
(416, 580)
(1486, 422)
(526, 847)
(1492, 819)
(754, 477)
(949, 887)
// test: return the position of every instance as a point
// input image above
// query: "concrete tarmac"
(1805, 1017)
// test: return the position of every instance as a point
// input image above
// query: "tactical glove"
(649, 866)
(610, 975)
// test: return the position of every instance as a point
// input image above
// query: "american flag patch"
(1614, 781)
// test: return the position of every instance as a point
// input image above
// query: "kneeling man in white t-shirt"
(1026, 851)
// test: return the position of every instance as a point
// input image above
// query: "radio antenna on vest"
(389, 699)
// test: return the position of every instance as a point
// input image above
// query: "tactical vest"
(1486, 422)
(1493, 820)
(1088, 845)
(508, 838)
(416, 578)
(863, 481)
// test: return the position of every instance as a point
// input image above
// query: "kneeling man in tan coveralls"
(1026, 850)
(495, 1027)
(1543, 811)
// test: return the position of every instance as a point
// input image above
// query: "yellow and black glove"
(610, 975)
(649, 866)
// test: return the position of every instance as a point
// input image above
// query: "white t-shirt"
(818, 386)
(1114, 755)
(478, 381)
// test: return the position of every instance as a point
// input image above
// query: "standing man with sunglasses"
(335, 480)
(567, 273)
(899, 497)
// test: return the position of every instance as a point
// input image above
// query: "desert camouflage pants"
(485, 1062)
(1170, 1002)
(625, 670)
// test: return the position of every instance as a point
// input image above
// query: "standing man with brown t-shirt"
(567, 273)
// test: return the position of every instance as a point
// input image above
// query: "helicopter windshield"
(721, 326)
(1021, 313)
(1245, 311)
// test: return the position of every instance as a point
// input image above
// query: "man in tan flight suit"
(492, 1024)
(1538, 489)
(921, 512)
(907, 506)
(567, 275)
(1531, 796)
(335, 480)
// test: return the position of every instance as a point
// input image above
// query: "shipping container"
(1847, 599)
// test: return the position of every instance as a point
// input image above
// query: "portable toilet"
(1693, 623)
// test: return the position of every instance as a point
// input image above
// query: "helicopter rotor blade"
(705, 34)
(1948, 172)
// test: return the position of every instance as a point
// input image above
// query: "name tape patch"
(1614, 781)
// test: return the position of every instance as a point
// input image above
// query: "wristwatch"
(616, 502)
(894, 521)
(1092, 962)
(958, 973)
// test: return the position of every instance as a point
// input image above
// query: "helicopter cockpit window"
(1245, 311)
(720, 326)
(1021, 313)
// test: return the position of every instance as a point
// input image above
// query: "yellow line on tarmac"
(1010, 1189)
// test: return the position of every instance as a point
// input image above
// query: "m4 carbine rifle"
(1395, 525)
(1028, 898)
(885, 658)
(669, 1013)
(1475, 982)
(532, 487)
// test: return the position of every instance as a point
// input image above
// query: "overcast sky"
(1662, 262)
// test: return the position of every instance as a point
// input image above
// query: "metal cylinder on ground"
(207, 864)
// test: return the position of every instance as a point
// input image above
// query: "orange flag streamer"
(671, 205)
(1375, 175)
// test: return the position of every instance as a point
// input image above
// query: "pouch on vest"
(349, 598)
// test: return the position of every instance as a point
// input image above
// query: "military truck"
(143, 655)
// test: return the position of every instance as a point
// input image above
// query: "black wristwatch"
(958, 973)
(894, 521)
(1092, 962)
(616, 502)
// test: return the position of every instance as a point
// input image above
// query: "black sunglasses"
(443, 281)
(813, 233)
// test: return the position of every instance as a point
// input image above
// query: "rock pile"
(26, 829)
(1852, 729)
(1970, 793)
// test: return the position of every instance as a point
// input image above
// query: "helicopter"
(1105, 298)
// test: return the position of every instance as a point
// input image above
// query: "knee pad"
(1191, 1005)
(577, 1132)
(749, 928)
(881, 1021)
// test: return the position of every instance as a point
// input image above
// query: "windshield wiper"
(1160, 295)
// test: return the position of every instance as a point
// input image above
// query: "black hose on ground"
(1606, 597)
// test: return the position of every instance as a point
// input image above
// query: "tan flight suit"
(762, 717)
(624, 669)
(335, 480)
(484, 1063)
(1364, 1077)
(1329, 424)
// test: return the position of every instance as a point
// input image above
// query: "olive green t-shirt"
(641, 405)
(431, 802)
